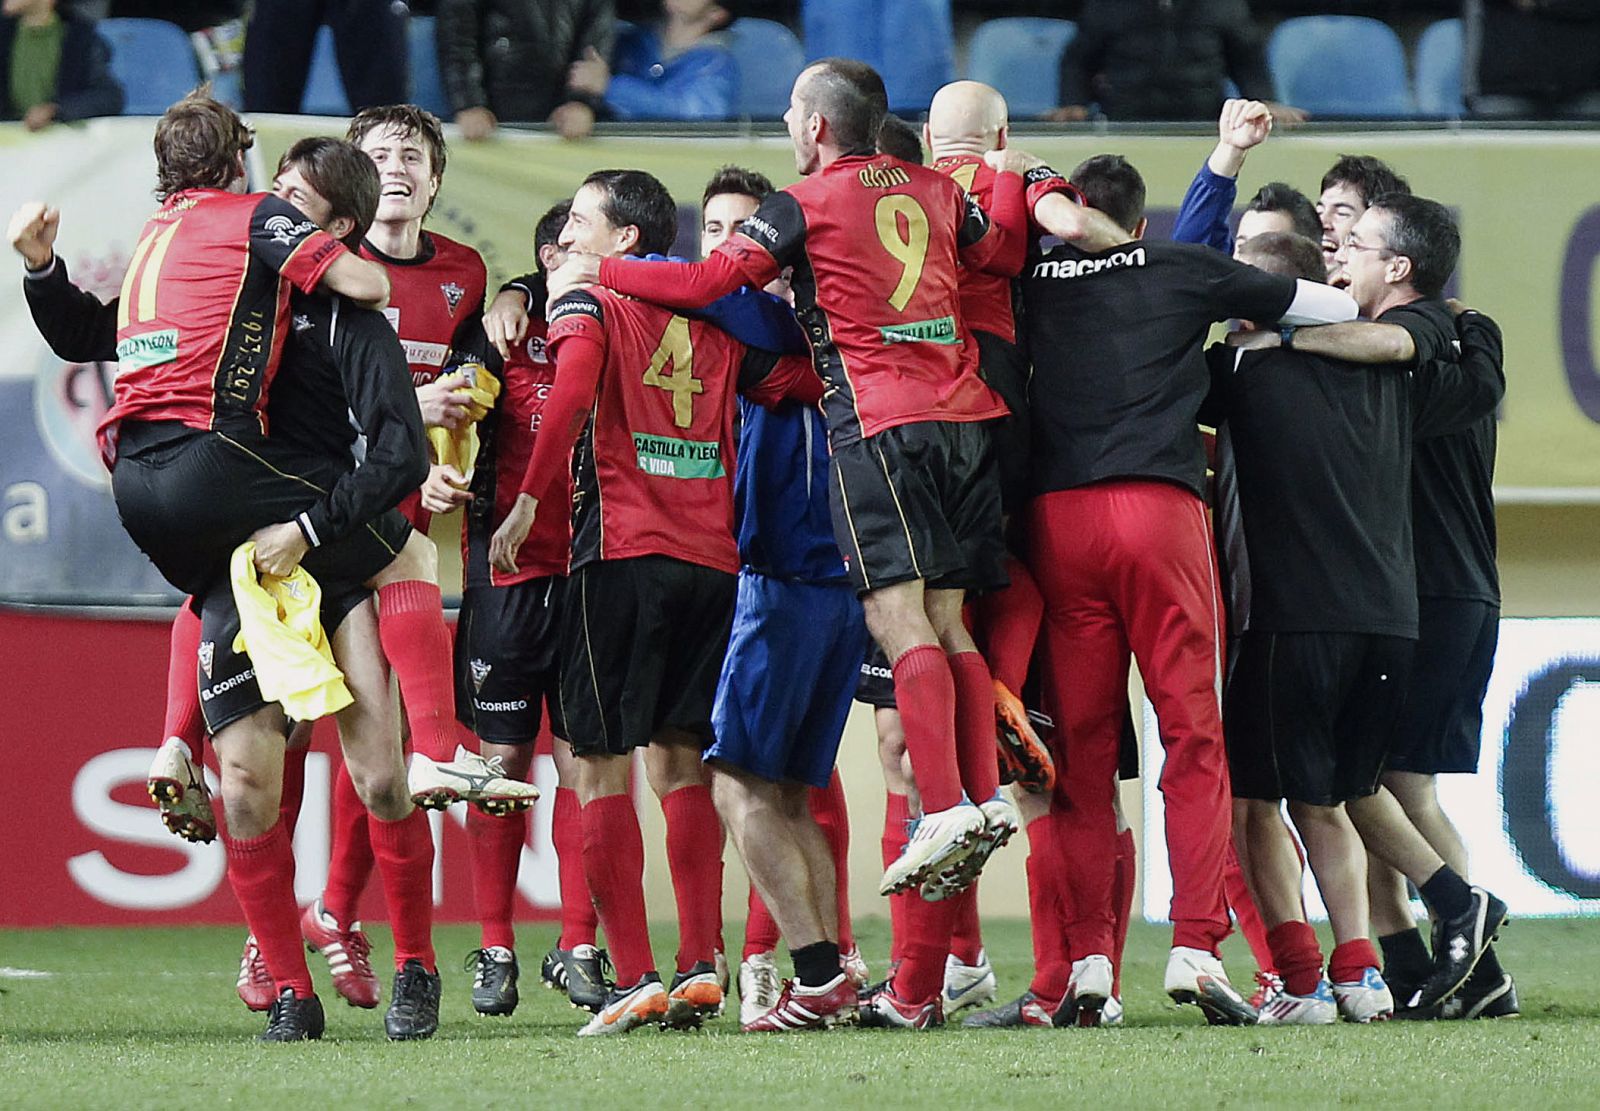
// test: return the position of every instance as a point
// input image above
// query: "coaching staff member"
(1120, 543)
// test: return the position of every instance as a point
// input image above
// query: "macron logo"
(1077, 268)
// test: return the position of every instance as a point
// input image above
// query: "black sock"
(1446, 893)
(1405, 957)
(816, 965)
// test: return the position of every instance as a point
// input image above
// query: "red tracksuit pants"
(1128, 566)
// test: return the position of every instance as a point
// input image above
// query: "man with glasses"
(1397, 257)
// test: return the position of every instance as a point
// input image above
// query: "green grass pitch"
(148, 1018)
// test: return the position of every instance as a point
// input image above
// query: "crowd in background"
(571, 63)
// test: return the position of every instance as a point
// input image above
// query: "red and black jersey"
(505, 444)
(204, 308)
(432, 298)
(986, 301)
(653, 473)
(875, 243)
(435, 299)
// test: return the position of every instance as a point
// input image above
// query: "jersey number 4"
(676, 349)
(903, 230)
(144, 272)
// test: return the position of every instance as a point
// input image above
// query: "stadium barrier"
(83, 695)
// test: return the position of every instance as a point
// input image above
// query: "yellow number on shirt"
(964, 175)
(143, 274)
(681, 383)
(910, 249)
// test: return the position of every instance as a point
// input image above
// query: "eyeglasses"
(1350, 244)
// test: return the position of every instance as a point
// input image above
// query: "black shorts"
(188, 498)
(876, 685)
(507, 660)
(1310, 717)
(642, 642)
(919, 501)
(1005, 367)
(225, 674)
(1441, 727)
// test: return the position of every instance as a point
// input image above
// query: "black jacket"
(84, 85)
(511, 56)
(1163, 59)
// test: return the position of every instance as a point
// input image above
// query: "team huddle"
(937, 438)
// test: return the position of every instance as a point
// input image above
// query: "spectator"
(53, 66)
(369, 40)
(191, 15)
(1530, 59)
(1163, 60)
(512, 59)
(677, 68)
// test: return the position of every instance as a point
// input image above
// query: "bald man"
(966, 121)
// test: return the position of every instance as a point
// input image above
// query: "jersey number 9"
(908, 248)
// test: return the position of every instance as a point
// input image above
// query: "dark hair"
(344, 176)
(897, 137)
(635, 198)
(547, 232)
(1109, 183)
(850, 96)
(198, 142)
(1287, 253)
(1369, 176)
(1424, 232)
(407, 119)
(1276, 196)
(736, 180)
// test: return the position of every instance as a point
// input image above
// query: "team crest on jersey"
(301, 322)
(208, 652)
(452, 295)
(480, 672)
(536, 350)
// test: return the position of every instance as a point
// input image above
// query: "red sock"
(495, 848)
(350, 860)
(1245, 913)
(761, 933)
(613, 863)
(261, 873)
(1297, 956)
(896, 813)
(1009, 620)
(829, 809)
(1349, 962)
(925, 691)
(975, 744)
(404, 851)
(1052, 966)
(1122, 902)
(417, 645)
(294, 787)
(694, 856)
(966, 934)
(578, 920)
(183, 719)
(920, 977)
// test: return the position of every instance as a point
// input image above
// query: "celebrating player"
(650, 599)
